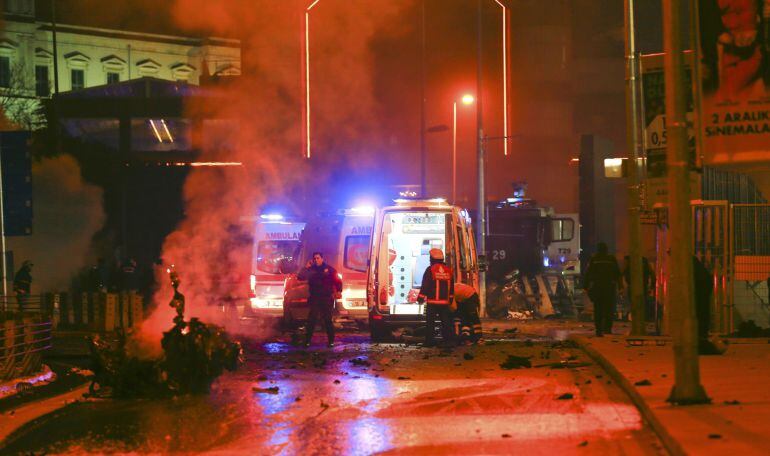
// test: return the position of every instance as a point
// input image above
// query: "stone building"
(91, 56)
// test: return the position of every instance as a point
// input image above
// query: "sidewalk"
(738, 383)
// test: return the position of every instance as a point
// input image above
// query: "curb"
(36, 410)
(669, 442)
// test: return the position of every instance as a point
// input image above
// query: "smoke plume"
(67, 212)
(263, 131)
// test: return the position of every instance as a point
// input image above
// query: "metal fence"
(750, 241)
(732, 240)
(22, 344)
(711, 245)
(33, 304)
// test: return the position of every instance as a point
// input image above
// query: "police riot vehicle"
(344, 239)
(403, 236)
(533, 258)
(276, 244)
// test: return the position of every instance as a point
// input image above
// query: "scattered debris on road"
(360, 362)
(515, 362)
(269, 390)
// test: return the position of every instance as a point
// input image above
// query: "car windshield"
(271, 253)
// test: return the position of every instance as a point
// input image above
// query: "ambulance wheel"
(378, 332)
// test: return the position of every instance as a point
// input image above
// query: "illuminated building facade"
(91, 56)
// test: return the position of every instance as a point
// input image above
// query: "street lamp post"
(467, 100)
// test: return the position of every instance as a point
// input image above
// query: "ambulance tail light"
(252, 286)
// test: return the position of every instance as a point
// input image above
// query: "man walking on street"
(22, 284)
(437, 291)
(602, 281)
(324, 286)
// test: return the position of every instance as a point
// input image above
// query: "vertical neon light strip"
(505, 79)
(307, 76)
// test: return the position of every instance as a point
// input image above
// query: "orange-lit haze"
(259, 125)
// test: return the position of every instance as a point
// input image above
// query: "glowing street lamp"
(467, 100)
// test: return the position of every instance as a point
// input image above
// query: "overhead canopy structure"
(143, 117)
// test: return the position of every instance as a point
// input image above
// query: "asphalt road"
(360, 398)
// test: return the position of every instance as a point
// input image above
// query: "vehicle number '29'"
(498, 255)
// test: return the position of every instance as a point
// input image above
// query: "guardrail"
(22, 343)
(88, 311)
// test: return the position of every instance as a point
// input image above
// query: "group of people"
(455, 305)
(603, 281)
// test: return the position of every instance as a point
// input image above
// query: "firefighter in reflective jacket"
(467, 312)
(437, 291)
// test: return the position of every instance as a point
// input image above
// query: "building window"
(42, 83)
(5, 71)
(78, 79)
(113, 78)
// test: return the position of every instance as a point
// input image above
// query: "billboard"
(17, 182)
(655, 187)
(735, 80)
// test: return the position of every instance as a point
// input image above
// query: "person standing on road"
(22, 284)
(602, 281)
(703, 287)
(467, 305)
(648, 280)
(437, 291)
(324, 286)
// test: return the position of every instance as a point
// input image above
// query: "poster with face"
(735, 80)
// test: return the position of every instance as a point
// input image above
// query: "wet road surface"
(359, 398)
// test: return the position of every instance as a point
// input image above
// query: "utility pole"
(684, 325)
(2, 238)
(55, 50)
(636, 286)
(423, 158)
(482, 202)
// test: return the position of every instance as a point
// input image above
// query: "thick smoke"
(67, 213)
(263, 131)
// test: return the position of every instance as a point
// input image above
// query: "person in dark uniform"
(22, 284)
(602, 281)
(437, 291)
(648, 283)
(703, 284)
(324, 286)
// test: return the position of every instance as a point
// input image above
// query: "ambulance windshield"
(270, 254)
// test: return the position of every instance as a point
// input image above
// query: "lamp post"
(467, 100)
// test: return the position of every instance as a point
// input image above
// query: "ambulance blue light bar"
(271, 217)
(362, 210)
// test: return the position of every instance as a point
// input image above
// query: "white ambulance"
(275, 253)
(403, 236)
(344, 238)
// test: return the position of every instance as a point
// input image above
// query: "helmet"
(436, 254)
